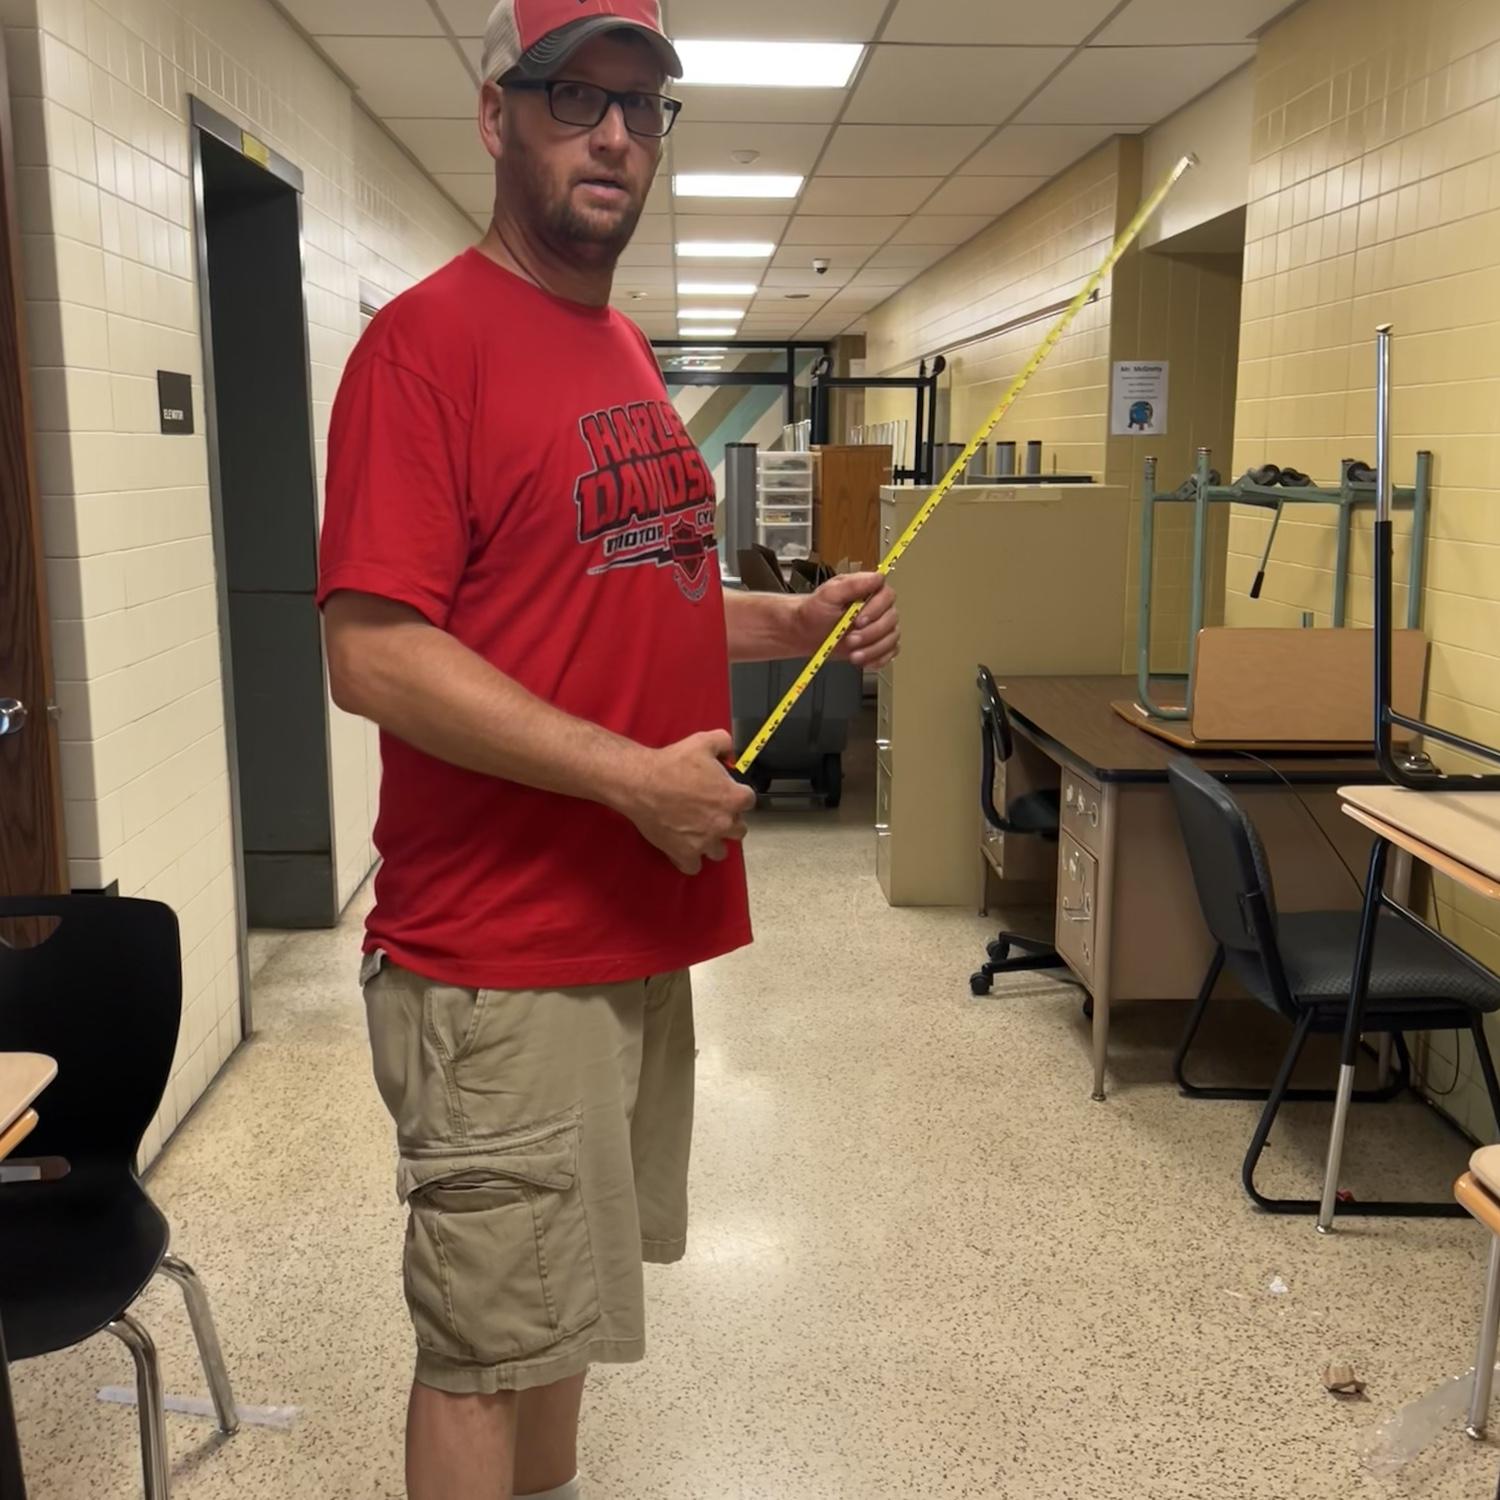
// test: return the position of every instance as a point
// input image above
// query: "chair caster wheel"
(981, 984)
(998, 951)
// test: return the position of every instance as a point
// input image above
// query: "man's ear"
(492, 122)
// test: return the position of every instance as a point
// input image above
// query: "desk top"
(1463, 827)
(1072, 717)
(23, 1075)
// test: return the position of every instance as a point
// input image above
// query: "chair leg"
(150, 1405)
(1268, 1119)
(1486, 1064)
(1484, 1362)
(1195, 1020)
(207, 1338)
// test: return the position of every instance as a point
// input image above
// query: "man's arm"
(776, 627)
(388, 664)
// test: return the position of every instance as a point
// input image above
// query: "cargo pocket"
(499, 1263)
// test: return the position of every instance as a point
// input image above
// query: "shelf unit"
(1200, 494)
(787, 486)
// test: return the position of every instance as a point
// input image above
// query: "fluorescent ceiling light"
(735, 185)
(706, 349)
(711, 314)
(717, 288)
(713, 333)
(725, 250)
(786, 65)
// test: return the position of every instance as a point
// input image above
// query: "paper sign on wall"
(1139, 406)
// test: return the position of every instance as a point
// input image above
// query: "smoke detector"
(745, 158)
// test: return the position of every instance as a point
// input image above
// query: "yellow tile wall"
(1039, 253)
(1154, 306)
(106, 216)
(1375, 197)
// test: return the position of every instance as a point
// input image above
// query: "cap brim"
(548, 55)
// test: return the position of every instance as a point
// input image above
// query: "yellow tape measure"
(924, 515)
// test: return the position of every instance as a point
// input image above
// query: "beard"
(586, 237)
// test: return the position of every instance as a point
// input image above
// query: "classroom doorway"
(264, 479)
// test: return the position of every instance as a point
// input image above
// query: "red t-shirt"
(508, 464)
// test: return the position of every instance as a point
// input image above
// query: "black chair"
(1301, 966)
(1036, 813)
(101, 992)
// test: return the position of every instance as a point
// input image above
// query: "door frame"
(41, 702)
(204, 119)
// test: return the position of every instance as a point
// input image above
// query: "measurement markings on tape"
(824, 652)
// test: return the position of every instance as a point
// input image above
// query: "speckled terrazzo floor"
(924, 1263)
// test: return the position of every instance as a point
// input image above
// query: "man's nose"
(611, 133)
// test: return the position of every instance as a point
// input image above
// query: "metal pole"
(1384, 544)
(1200, 566)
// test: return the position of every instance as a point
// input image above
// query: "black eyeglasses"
(586, 104)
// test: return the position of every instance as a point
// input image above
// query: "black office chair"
(1036, 813)
(102, 994)
(1300, 965)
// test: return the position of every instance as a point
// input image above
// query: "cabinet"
(850, 480)
(1025, 579)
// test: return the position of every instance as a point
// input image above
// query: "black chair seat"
(73, 1253)
(1036, 812)
(1411, 966)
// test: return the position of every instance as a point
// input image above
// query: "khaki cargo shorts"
(544, 1141)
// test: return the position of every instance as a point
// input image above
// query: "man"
(520, 587)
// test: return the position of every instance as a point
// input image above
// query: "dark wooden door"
(31, 832)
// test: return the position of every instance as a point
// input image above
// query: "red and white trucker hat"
(536, 37)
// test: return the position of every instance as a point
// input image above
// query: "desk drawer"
(1082, 809)
(1077, 906)
(883, 859)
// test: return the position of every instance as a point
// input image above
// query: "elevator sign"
(175, 392)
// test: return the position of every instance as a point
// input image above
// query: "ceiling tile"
(777, 106)
(813, 231)
(889, 277)
(659, 199)
(443, 145)
(1039, 150)
(644, 278)
(729, 226)
(1132, 83)
(785, 278)
(703, 146)
(950, 85)
(1180, 22)
(779, 299)
(867, 195)
(363, 17)
(406, 76)
(733, 208)
(982, 195)
(1058, 23)
(942, 229)
(902, 150)
(466, 17)
(654, 229)
(845, 258)
(637, 254)
(910, 257)
(776, 20)
(474, 192)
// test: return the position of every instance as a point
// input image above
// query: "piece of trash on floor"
(1279, 1288)
(1417, 1425)
(280, 1417)
(1342, 1380)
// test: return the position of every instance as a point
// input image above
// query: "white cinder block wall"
(106, 208)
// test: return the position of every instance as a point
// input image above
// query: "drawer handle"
(1084, 913)
(1068, 795)
(882, 744)
(1093, 814)
(882, 829)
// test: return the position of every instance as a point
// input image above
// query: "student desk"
(1455, 833)
(1128, 923)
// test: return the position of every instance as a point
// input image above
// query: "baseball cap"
(536, 37)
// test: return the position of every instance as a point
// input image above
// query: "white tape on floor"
(280, 1417)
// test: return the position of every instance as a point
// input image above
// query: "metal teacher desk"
(1128, 923)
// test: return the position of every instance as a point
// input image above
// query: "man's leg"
(547, 1436)
(460, 1446)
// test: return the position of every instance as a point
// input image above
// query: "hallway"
(923, 1263)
